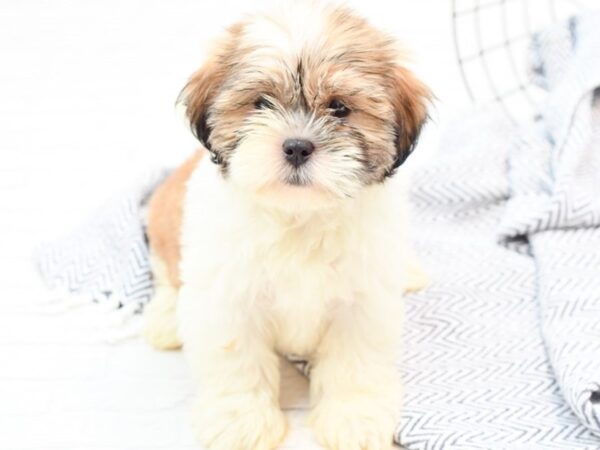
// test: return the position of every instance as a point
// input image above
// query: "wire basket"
(492, 39)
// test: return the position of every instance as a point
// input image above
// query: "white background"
(87, 92)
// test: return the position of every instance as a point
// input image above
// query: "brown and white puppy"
(291, 241)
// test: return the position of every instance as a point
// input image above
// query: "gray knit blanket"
(502, 350)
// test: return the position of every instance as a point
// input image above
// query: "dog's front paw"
(358, 424)
(239, 422)
(416, 278)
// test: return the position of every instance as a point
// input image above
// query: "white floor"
(60, 389)
(86, 102)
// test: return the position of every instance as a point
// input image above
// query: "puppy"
(286, 235)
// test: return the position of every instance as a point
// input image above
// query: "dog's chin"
(296, 194)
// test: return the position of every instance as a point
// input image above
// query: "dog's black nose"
(297, 151)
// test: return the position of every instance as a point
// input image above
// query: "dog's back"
(165, 215)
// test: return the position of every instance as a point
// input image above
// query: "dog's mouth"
(297, 178)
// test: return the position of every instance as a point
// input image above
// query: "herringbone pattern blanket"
(502, 350)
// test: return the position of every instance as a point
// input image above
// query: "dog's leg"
(416, 277)
(237, 371)
(160, 321)
(355, 387)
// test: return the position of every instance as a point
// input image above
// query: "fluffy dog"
(286, 235)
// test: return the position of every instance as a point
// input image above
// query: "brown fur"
(205, 83)
(409, 106)
(165, 217)
(355, 63)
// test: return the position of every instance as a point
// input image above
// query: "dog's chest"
(298, 329)
(304, 280)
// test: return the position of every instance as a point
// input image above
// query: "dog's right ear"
(203, 86)
(197, 96)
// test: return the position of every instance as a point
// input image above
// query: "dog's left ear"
(410, 98)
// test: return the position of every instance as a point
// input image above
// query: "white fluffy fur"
(160, 321)
(324, 284)
(308, 260)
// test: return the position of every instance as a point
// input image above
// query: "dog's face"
(306, 108)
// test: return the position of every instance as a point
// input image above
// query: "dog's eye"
(262, 103)
(338, 109)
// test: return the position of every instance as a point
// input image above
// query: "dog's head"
(307, 107)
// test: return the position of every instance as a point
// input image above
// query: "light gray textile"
(105, 259)
(502, 350)
(555, 204)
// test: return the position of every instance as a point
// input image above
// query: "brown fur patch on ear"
(410, 100)
(205, 83)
